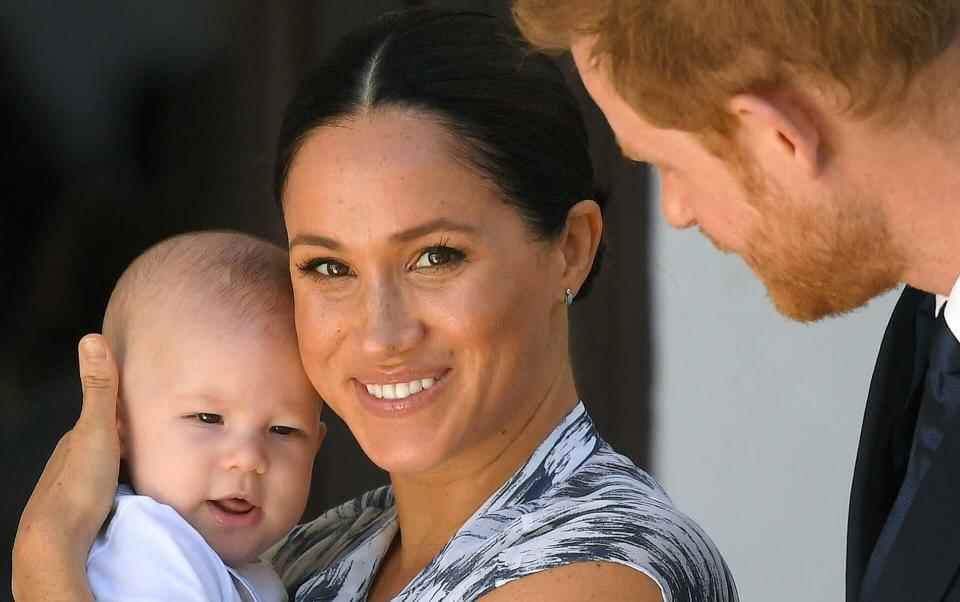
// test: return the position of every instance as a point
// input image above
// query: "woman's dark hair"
(508, 107)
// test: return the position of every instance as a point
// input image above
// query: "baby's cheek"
(173, 469)
(292, 484)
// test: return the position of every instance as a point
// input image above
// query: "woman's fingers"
(90, 452)
(99, 379)
(75, 491)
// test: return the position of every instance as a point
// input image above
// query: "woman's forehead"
(395, 169)
(378, 137)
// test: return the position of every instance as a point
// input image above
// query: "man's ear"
(579, 242)
(778, 129)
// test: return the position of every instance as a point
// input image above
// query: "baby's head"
(217, 417)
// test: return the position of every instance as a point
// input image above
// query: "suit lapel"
(875, 485)
(926, 553)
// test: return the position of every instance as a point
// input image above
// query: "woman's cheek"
(311, 321)
(320, 332)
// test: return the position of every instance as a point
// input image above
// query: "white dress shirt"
(953, 309)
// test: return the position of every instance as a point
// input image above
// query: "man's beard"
(819, 258)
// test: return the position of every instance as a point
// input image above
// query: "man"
(821, 143)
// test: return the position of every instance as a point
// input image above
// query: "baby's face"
(222, 425)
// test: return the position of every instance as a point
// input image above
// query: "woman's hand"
(75, 491)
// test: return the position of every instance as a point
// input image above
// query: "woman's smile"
(426, 296)
(398, 397)
(402, 385)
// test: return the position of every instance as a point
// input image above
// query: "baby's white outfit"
(147, 551)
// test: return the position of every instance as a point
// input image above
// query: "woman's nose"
(674, 206)
(391, 324)
(246, 454)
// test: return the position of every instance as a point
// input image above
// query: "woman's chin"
(404, 453)
(411, 442)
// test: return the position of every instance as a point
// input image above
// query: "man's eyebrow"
(437, 225)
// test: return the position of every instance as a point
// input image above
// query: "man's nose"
(674, 205)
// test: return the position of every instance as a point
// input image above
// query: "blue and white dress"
(575, 500)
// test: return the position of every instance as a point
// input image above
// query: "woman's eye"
(438, 256)
(208, 418)
(324, 268)
(332, 269)
(283, 430)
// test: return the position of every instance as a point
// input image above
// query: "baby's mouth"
(233, 505)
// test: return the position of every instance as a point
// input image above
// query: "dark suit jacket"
(924, 563)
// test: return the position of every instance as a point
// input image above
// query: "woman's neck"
(433, 507)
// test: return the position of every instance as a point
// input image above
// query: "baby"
(218, 423)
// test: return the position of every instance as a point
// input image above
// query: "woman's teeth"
(400, 390)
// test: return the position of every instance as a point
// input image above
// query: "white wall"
(757, 419)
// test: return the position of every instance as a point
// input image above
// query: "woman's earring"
(568, 297)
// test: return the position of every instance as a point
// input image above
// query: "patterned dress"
(575, 500)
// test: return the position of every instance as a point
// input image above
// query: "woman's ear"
(579, 242)
(321, 434)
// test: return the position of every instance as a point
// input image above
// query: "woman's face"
(430, 317)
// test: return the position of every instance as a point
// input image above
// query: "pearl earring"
(568, 297)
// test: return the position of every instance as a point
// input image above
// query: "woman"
(439, 204)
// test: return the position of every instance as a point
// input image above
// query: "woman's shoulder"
(336, 532)
(610, 510)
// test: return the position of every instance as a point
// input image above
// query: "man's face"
(221, 423)
(817, 251)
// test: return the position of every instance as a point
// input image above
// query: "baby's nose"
(247, 455)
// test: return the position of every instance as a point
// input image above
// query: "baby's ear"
(122, 429)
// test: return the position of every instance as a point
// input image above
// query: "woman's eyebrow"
(437, 225)
(314, 240)
(432, 226)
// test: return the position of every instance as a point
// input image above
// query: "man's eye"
(283, 430)
(208, 418)
(438, 256)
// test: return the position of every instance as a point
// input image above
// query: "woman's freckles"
(433, 288)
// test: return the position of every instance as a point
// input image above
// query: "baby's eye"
(437, 256)
(208, 418)
(284, 430)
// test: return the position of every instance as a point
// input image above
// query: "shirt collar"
(952, 312)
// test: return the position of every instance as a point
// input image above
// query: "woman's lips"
(401, 390)
(235, 512)
(379, 401)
